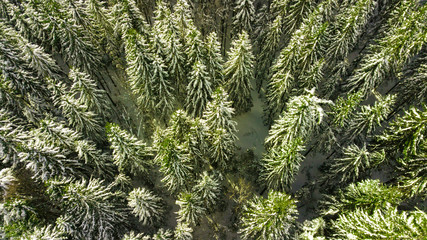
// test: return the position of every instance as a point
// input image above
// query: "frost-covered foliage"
(244, 16)
(6, 179)
(368, 195)
(145, 205)
(91, 209)
(199, 90)
(239, 73)
(208, 188)
(313, 230)
(129, 154)
(269, 218)
(183, 232)
(381, 224)
(191, 208)
(48, 232)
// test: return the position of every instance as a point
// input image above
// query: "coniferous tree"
(174, 164)
(354, 163)
(145, 205)
(199, 90)
(6, 179)
(91, 210)
(313, 230)
(218, 114)
(214, 59)
(269, 218)
(244, 16)
(191, 208)
(183, 232)
(399, 43)
(47, 232)
(238, 73)
(208, 188)
(163, 101)
(87, 91)
(381, 224)
(368, 195)
(129, 153)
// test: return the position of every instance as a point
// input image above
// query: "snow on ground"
(251, 129)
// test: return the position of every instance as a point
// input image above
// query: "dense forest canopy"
(225, 119)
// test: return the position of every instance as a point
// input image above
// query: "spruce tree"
(191, 208)
(91, 209)
(218, 114)
(269, 218)
(129, 154)
(145, 205)
(214, 60)
(244, 16)
(239, 73)
(199, 90)
(381, 224)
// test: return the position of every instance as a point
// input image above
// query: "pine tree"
(139, 59)
(79, 116)
(87, 91)
(281, 164)
(174, 164)
(238, 73)
(183, 232)
(367, 195)
(129, 153)
(191, 208)
(47, 232)
(222, 147)
(313, 230)
(6, 179)
(269, 218)
(163, 234)
(163, 102)
(208, 189)
(198, 90)
(398, 45)
(194, 46)
(145, 205)
(355, 162)
(381, 224)
(214, 60)
(175, 61)
(218, 114)
(365, 121)
(17, 217)
(91, 209)
(305, 48)
(300, 119)
(244, 16)
(350, 23)
(132, 236)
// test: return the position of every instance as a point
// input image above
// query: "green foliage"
(16, 218)
(302, 115)
(198, 90)
(381, 224)
(6, 179)
(350, 23)
(191, 208)
(183, 232)
(222, 148)
(313, 230)
(132, 236)
(91, 209)
(208, 188)
(244, 17)
(145, 205)
(269, 218)
(175, 164)
(398, 45)
(218, 114)
(214, 60)
(369, 117)
(129, 153)
(88, 93)
(238, 73)
(368, 195)
(406, 132)
(281, 164)
(355, 162)
(45, 233)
